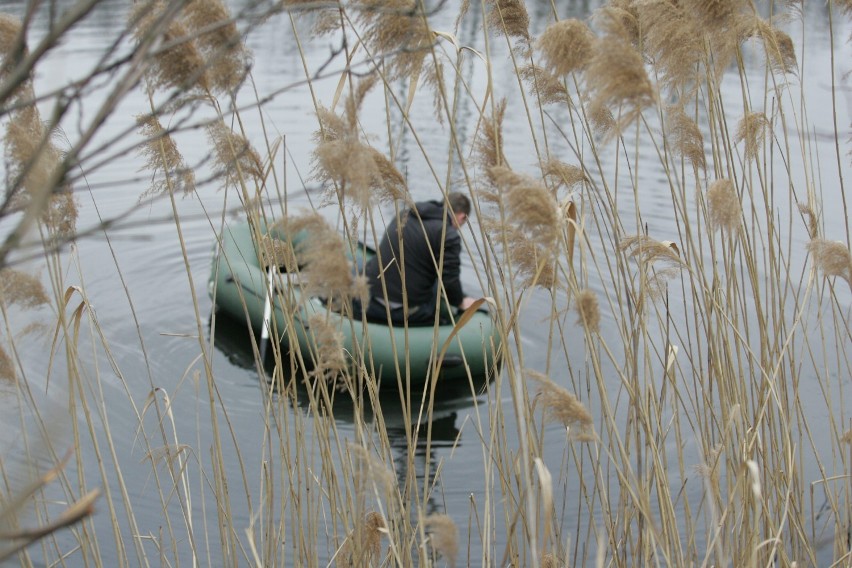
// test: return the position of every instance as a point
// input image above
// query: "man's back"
(416, 243)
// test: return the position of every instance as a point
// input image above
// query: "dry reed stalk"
(673, 40)
(162, 156)
(544, 85)
(685, 137)
(560, 405)
(588, 311)
(832, 258)
(566, 46)
(322, 256)
(752, 129)
(179, 63)
(723, 205)
(219, 41)
(236, 160)
(443, 536)
(363, 545)
(509, 17)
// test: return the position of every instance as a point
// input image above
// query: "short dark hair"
(459, 203)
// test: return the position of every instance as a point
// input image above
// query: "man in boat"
(419, 241)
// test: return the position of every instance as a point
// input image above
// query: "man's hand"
(466, 303)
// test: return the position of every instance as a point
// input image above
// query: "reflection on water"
(419, 434)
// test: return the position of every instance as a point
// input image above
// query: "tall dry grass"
(668, 420)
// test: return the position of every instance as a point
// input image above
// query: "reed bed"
(691, 406)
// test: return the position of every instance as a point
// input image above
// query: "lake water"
(140, 287)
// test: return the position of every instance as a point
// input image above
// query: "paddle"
(265, 330)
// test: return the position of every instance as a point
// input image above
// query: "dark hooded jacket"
(416, 241)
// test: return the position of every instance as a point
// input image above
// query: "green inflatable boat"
(238, 286)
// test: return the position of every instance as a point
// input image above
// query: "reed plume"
(21, 289)
(323, 257)
(544, 85)
(177, 61)
(163, 159)
(343, 163)
(723, 205)
(236, 161)
(566, 46)
(330, 358)
(34, 163)
(531, 206)
(617, 80)
(832, 258)
(672, 39)
(219, 42)
(600, 119)
(686, 138)
(509, 17)
(715, 15)
(847, 437)
(363, 545)
(528, 222)
(752, 129)
(10, 34)
(369, 470)
(564, 175)
(7, 366)
(443, 536)
(560, 405)
(277, 252)
(13, 48)
(398, 31)
(649, 251)
(779, 48)
(489, 145)
(588, 311)
(620, 19)
(813, 219)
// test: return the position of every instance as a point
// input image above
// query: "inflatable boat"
(470, 346)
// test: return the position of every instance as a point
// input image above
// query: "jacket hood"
(431, 210)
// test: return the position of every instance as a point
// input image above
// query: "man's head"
(460, 207)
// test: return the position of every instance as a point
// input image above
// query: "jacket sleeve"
(451, 275)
